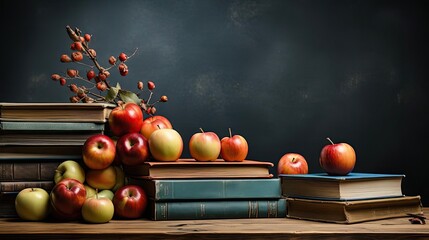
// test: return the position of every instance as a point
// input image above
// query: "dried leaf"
(128, 96)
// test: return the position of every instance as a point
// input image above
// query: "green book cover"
(51, 126)
(188, 189)
(194, 210)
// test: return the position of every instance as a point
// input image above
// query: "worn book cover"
(40, 152)
(353, 211)
(28, 171)
(205, 209)
(190, 168)
(353, 186)
(17, 186)
(58, 112)
(195, 189)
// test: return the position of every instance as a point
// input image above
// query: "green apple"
(32, 204)
(98, 210)
(166, 144)
(90, 191)
(106, 193)
(69, 169)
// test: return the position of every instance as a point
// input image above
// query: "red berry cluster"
(97, 77)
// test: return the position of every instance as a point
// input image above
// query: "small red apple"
(98, 151)
(337, 159)
(234, 148)
(204, 146)
(154, 123)
(126, 118)
(292, 163)
(67, 198)
(132, 149)
(130, 202)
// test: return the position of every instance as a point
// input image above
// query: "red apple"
(101, 178)
(126, 118)
(204, 146)
(292, 163)
(132, 149)
(67, 198)
(153, 123)
(234, 148)
(166, 145)
(98, 151)
(337, 159)
(130, 202)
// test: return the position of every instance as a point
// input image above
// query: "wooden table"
(267, 229)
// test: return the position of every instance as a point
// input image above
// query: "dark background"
(284, 74)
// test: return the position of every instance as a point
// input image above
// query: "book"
(7, 205)
(353, 211)
(28, 171)
(190, 168)
(58, 112)
(52, 126)
(195, 189)
(7, 187)
(40, 152)
(53, 138)
(204, 209)
(354, 186)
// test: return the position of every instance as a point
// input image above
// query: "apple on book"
(166, 145)
(234, 148)
(292, 163)
(204, 146)
(337, 158)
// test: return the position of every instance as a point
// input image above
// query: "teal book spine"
(196, 210)
(51, 126)
(192, 189)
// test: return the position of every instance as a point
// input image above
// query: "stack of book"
(36, 137)
(356, 197)
(187, 189)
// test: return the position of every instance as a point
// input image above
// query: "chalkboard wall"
(284, 74)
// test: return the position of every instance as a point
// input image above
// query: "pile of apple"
(335, 159)
(95, 190)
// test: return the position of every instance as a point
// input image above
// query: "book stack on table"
(36, 137)
(353, 198)
(187, 189)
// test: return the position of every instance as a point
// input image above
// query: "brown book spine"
(28, 171)
(7, 205)
(7, 187)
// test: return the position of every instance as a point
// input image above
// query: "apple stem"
(293, 160)
(201, 130)
(158, 126)
(230, 133)
(330, 140)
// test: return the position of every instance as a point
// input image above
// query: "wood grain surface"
(275, 228)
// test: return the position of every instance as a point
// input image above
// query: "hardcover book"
(52, 138)
(7, 187)
(353, 211)
(28, 171)
(40, 152)
(194, 189)
(354, 186)
(57, 112)
(190, 168)
(7, 205)
(205, 209)
(52, 126)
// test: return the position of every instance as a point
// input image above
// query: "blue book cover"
(204, 209)
(354, 186)
(51, 126)
(193, 189)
